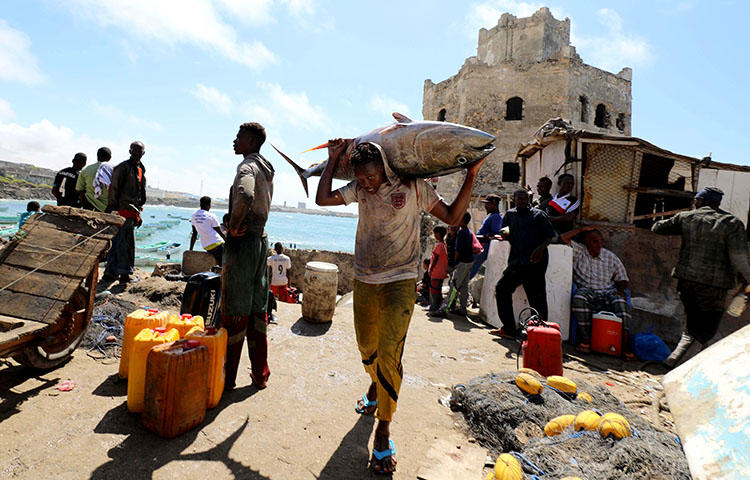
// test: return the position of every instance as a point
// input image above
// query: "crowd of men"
(713, 256)
(387, 256)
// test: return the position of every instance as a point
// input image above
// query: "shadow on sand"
(143, 452)
(351, 458)
(12, 377)
(304, 328)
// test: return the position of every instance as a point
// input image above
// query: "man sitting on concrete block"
(206, 226)
(602, 281)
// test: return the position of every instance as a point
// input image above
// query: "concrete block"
(559, 278)
(195, 262)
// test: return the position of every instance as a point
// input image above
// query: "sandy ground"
(302, 426)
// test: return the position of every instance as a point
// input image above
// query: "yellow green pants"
(382, 313)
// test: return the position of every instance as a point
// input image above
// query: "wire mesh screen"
(608, 169)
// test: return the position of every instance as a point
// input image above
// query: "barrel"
(319, 292)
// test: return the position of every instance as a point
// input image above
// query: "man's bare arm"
(324, 196)
(453, 214)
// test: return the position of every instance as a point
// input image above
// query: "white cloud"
(47, 145)
(17, 63)
(293, 109)
(212, 98)
(615, 49)
(486, 14)
(6, 112)
(386, 106)
(192, 22)
(116, 115)
(259, 12)
(300, 8)
(252, 12)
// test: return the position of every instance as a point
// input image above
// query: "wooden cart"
(48, 277)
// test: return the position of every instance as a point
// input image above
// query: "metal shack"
(625, 184)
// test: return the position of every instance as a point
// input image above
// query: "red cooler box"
(606, 333)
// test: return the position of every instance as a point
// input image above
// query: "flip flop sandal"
(365, 405)
(379, 458)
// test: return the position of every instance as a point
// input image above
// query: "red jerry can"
(542, 349)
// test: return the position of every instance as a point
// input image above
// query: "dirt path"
(302, 426)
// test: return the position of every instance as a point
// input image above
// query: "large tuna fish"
(413, 149)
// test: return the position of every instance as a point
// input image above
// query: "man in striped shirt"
(601, 279)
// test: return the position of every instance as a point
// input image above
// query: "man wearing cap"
(713, 252)
(64, 186)
(490, 226)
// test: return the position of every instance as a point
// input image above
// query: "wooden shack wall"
(736, 187)
(546, 162)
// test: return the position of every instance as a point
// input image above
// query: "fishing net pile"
(107, 321)
(505, 419)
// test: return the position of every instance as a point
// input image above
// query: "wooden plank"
(85, 215)
(11, 340)
(41, 284)
(70, 264)
(71, 225)
(30, 307)
(664, 192)
(660, 214)
(9, 323)
(44, 235)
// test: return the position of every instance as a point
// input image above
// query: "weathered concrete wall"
(532, 39)
(530, 58)
(344, 260)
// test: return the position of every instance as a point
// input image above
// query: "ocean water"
(319, 232)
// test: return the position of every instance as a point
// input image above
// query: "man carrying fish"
(387, 256)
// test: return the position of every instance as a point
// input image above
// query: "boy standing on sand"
(386, 258)
(438, 269)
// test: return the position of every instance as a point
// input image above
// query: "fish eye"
(461, 159)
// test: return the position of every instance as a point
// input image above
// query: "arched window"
(584, 108)
(441, 115)
(514, 108)
(602, 117)
(620, 122)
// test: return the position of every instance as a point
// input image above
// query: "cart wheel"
(61, 344)
(37, 357)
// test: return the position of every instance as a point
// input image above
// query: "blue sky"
(181, 75)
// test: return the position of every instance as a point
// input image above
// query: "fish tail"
(316, 148)
(300, 171)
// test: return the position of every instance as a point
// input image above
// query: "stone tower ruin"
(525, 72)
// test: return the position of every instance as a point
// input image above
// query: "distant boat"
(170, 223)
(147, 260)
(163, 246)
(4, 209)
(177, 216)
(6, 231)
(9, 218)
